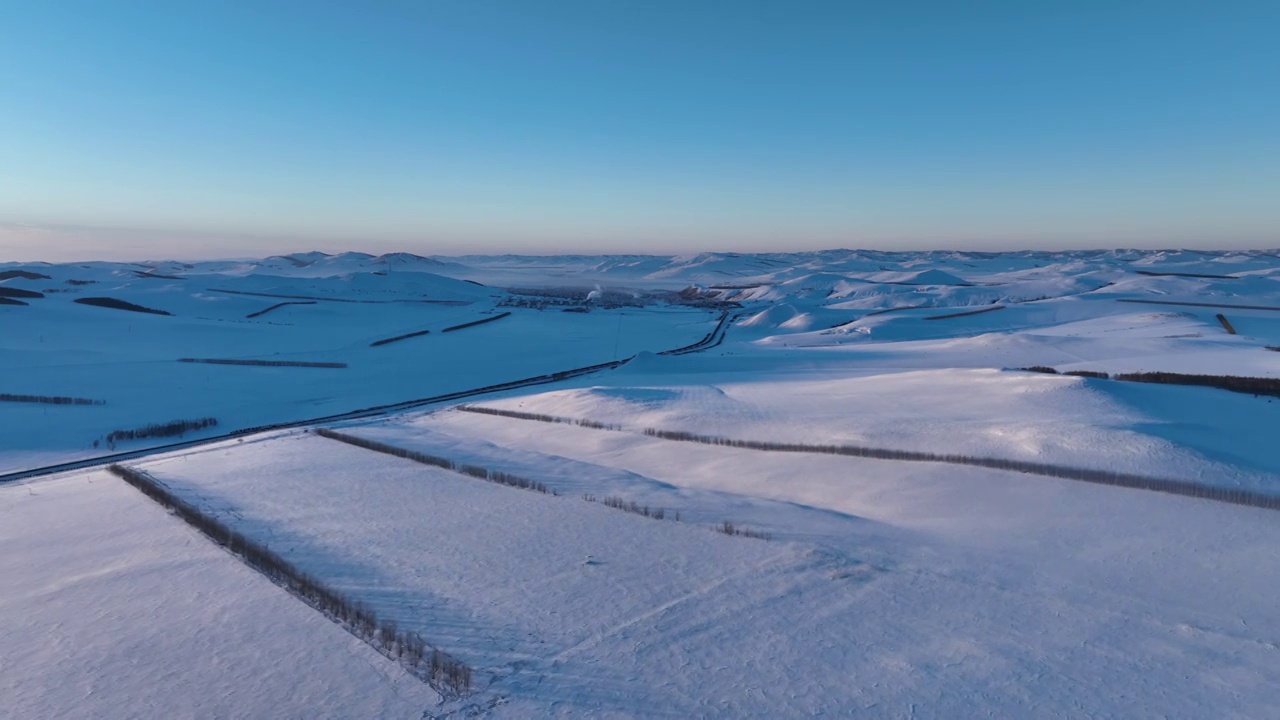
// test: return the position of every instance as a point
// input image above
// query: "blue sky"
(201, 129)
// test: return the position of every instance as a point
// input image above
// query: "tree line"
(264, 363)
(1234, 496)
(444, 672)
(518, 415)
(1234, 383)
(49, 399)
(475, 471)
(169, 429)
(512, 480)
(116, 304)
(474, 323)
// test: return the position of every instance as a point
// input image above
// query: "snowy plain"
(885, 589)
(112, 608)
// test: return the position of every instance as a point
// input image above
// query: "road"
(373, 411)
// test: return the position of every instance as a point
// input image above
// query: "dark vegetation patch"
(11, 292)
(1101, 477)
(297, 297)
(1040, 369)
(895, 309)
(1226, 324)
(509, 479)
(398, 338)
(264, 363)
(1235, 383)
(728, 528)
(839, 325)
(116, 304)
(173, 428)
(631, 506)
(80, 282)
(24, 274)
(1198, 304)
(475, 471)
(1274, 348)
(1088, 374)
(337, 299)
(277, 306)
(966, 313)
(516, 414)
(442, 671)
(1153, 273)
(49, 399)
(154, 274)
(474, 323)
(10, 301)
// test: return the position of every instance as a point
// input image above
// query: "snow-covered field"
(129, 360)
(111, 608)
(885, 589)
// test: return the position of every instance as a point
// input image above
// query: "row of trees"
(1103, 477)
(444, 672)
(475, 471)
(965, 313)
(117, 304)
(1074, 373)
(728, 528)
(277, 306)
(172, 428)
(516, 414)
(473, 323)
(631, 506)
(1226, 324)
(49, 399)
(264, 363)
(24, 274)
(1236, 383)
(13, 292)
(610, 501)
(398, 338)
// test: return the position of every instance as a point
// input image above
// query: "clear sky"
(185, 129)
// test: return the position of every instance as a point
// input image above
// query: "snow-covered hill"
(887, 587)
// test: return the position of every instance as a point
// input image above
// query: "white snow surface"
(942, 591)
(887, 589)
(111, 608)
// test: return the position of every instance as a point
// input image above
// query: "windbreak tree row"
(475, 471)
(447, 674)
(49, 399)
(264, 363)
(173, 428)
(1235, 496)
